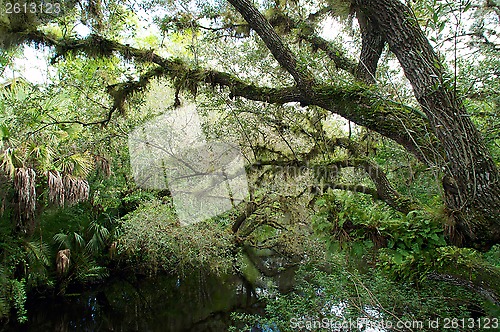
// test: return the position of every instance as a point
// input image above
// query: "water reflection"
(197, 302)
(193, 302)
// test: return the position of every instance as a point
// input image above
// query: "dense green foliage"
(339, 294)
(361, 218)
(153, 241)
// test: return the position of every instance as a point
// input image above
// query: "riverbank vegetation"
(369, 134)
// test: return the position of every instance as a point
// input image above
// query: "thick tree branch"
(280, 51)
(390, 119)
(327, 172)
(306, 32)
(371, 49)
(336, 54)
(248, 209)
(473, 198)
(358, 104)
(385, 191)
(348, 187)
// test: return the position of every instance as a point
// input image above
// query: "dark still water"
(193, 303)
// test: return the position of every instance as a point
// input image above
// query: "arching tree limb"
(278, 48)
(372, 46)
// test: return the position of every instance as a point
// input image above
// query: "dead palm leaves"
(62, 190)
(24, 184)
(75, 190)
(66, 189)
(62, 261)
(56, 188)
(69, 187)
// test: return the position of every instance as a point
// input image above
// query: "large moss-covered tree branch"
(473, 196)
(371, 50)
(357, 103)
(335, 53)
(306, 32)
(284, 24)
(326, 172)
(304, 78)
(396, 121)
(274, 43)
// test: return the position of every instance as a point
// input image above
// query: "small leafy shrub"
(23, 268)
(152, 240)
(412, 247)
(87, 250)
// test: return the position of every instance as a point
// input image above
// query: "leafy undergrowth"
(152, 241)
(407, 247)
(384, 267)
(337, 294)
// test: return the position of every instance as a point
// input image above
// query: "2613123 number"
(471, 323)
(33, 8)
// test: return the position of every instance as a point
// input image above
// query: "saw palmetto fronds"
(100, 235)
(77, 164)
(37, 254)
(82, 164)
(9, 160)
(72, 240)
(41, 155)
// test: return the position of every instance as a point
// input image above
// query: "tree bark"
(472, 188)
(371, 49)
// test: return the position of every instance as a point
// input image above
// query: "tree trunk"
(471, 182)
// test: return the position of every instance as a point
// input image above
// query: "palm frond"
(37, 257)
(37, 253)
(82, 164)
(99, 229)
(100, 235)
(41, 155)
(79, 240)
(94, 245)
(65, 165)
(63, 240)
(10, 159)
(92, 272)
(76, 164)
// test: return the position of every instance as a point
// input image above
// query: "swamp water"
(195, 302)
